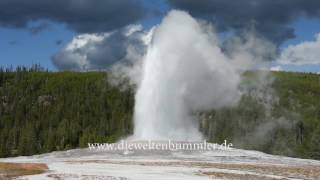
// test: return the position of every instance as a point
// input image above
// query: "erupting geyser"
(184, 71)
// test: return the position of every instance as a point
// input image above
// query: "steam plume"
(184, 71)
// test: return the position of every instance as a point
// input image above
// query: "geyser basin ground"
(218, 164)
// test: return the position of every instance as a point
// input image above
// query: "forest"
(42, 111)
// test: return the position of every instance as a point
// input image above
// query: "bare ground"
(11, 170)
(232, 170)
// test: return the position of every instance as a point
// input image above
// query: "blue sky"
(305, 30)
(21, 47)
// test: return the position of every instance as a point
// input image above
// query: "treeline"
(44, 111)
(278, 114)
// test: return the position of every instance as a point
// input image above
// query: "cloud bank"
(269, 18)
(304, 53)
(99, 51)
(83, 16)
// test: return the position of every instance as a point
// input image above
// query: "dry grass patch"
(312, 172)
(10, 170)
(234, 176)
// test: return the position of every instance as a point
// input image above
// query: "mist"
(185, 71)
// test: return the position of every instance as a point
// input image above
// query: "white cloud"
(276, 68)
(98, 51)
(304, 53)
(84, 39)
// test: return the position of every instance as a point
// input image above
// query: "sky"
(40, 31)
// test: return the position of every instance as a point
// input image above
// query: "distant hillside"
(278, 114)
(45, 111)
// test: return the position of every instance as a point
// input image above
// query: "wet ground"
(88, 164)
